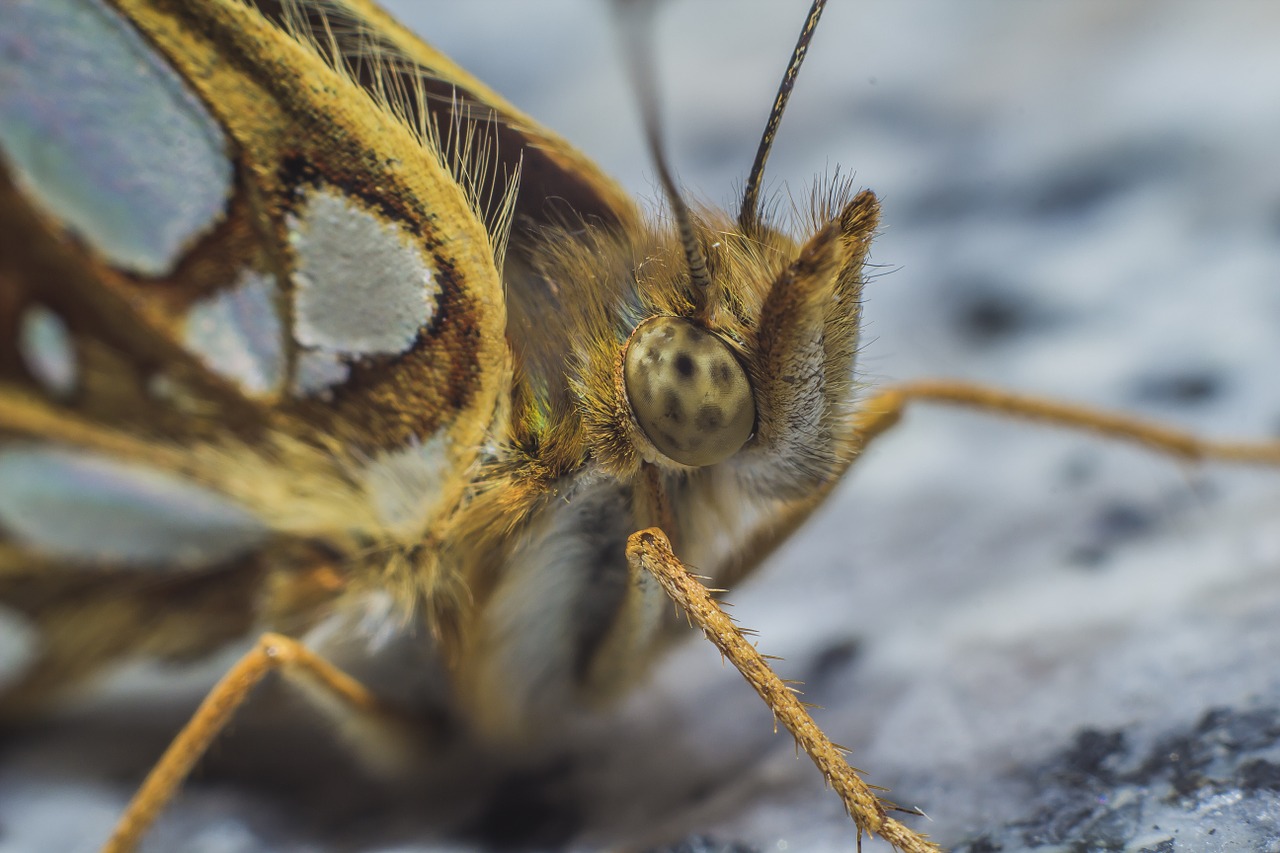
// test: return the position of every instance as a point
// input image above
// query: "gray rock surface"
(1046, 642)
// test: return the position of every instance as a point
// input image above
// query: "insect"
(309, 586)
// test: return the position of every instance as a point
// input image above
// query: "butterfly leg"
(879, 413)
(886, 408)
(627, 647)
(650, 551)
(319, 678)
(625, 651)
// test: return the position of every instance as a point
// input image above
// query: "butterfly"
(348, 466)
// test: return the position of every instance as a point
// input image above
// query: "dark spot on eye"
(709, 418)
(669, 442)
(674, 409)
(684, 365)
(721, 373)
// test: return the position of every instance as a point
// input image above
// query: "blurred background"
(1040, 639)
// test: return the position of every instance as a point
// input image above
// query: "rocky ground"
(1045, 642)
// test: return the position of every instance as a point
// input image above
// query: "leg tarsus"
(650, 550)
(622, 654)
(272, 652)
(883, 410)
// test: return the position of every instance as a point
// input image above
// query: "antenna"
(749, 216)
(637, 42)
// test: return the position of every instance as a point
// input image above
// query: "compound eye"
(688, 392)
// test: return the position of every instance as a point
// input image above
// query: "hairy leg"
(321, 680)
(649, 550)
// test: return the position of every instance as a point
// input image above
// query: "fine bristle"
(398, 86)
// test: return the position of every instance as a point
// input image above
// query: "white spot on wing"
(82, 506)
(406, 485)
(19, 642)
(47, 350)
(361, 284)
(317, 371)
(238, 333)
(102, 133)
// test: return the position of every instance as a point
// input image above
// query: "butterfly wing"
(245, 313)
(487, 142)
